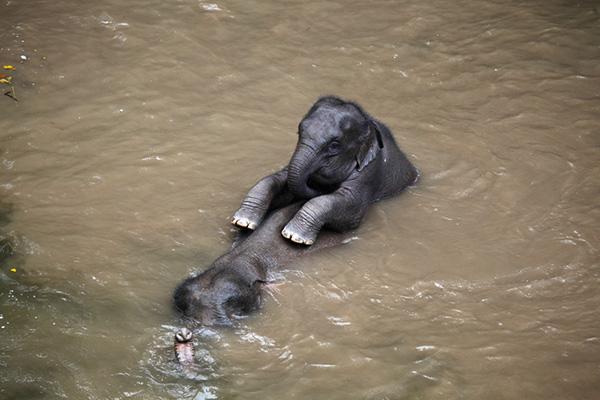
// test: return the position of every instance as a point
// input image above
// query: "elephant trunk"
(301, 166)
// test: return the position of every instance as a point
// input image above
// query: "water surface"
(140, 125)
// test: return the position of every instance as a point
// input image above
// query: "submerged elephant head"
(335, 138)
(217, 296)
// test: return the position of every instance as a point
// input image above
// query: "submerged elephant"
(232, 285)
(344, 161)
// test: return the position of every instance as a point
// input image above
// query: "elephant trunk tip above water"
(344, 161)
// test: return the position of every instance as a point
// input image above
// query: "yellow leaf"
(9, 67)
(13, 270)
(6, 80)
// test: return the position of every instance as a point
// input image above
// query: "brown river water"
(140, 125)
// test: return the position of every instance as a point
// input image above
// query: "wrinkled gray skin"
(344, 161)
(233, 284)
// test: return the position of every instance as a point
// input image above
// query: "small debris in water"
(323, 365)
(210, 7)
(13, 270)
(7, 80)
(11, 93)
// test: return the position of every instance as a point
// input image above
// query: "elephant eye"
(333, 147)
(234, 305)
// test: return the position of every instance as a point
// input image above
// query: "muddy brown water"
(141, 124)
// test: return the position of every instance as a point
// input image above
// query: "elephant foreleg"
(260, 198)
(339, 210)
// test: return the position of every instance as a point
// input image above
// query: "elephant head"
(335, 138)
(218, 295)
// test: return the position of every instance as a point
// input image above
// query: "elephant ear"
(370, 148)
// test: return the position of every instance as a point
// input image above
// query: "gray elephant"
(344, 161)
(232, 285)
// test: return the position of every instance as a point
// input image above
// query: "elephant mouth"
(327, 178)
(321, 183)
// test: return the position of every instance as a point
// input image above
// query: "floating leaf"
(13, 270)
(2, 76)
(9, 67)
(6, 80)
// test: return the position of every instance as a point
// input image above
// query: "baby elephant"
(344, 161)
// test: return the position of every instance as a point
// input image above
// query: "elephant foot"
(296, 235)
(245, 219)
